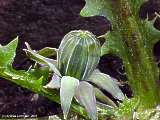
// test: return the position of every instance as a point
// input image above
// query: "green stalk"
(141, 69)
(132, 39)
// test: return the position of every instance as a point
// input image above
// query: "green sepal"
(103, 98)
(48, 52)
(107, 83)
(67, 92)
(42, 60)
(54, 83)
(86, 96)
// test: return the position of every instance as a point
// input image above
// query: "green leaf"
(34, 76)
(67, 92)
(135, 6)
(98, 7)
(31, 79)
(86, 96)
(150, 32)
(41, 71)
(107, 83)
(42, 60)
(132, 39)
(113, 44)
(54, 83)
(7, 53)
(126, 109)
(109, 8)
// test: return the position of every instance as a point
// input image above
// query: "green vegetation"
(74, 73)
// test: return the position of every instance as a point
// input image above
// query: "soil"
(44, 23)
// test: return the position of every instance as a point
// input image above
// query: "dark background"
(44, 23)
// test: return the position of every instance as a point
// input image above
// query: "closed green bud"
(78, 54)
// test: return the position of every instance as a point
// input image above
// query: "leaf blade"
(98, 7)
(7, 53)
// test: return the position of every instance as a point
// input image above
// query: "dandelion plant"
(73, 74)
(75, 71)
(73, 80)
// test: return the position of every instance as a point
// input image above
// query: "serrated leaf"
(98, 7)
(67, 92)
(107, 83)
(86, 96)
(42, 71)
(150, 32)
(34, 76)
(132, 40)
(31, 79)
(7, 53)
(43, 60)
(54, 83)
(113, 44)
